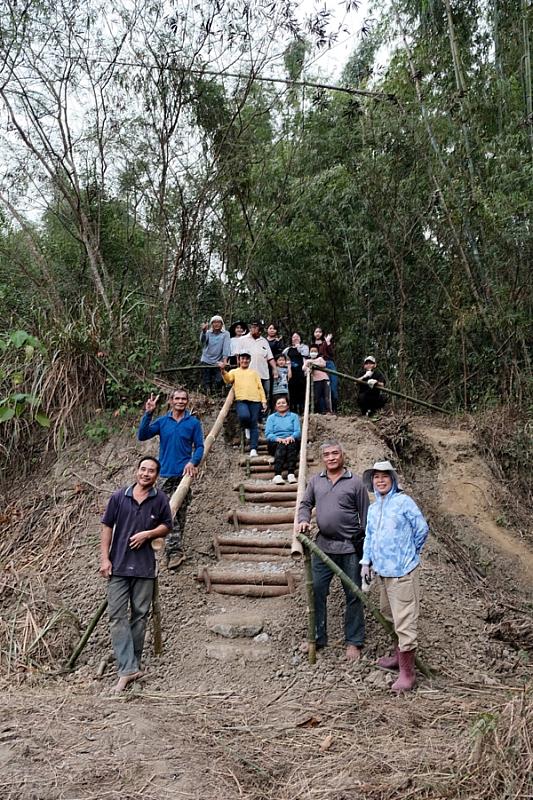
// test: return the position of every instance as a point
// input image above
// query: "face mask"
(313, 355)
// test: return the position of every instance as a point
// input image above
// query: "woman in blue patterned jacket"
(395, 534)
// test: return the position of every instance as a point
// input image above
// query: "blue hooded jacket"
(395, 534)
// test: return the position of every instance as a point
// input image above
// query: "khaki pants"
(399, 603)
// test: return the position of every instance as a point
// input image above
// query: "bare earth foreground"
(265, 724)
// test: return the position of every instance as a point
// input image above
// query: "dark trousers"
(321, 397)
(128, 626)
(248, 413)
(354, 619)
(371, 401)
(284, 454)
(211, 379)
(297, 394)
(174, 540)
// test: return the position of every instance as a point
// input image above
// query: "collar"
(186, 414)
(129, 491)
(347, 474)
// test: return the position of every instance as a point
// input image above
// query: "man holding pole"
(341, 503)
(134, 516)
(181, 447)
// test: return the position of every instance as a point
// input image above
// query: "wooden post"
(388, 626)
(296, 547)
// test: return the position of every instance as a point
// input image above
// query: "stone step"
(233, 626)
(239, 651)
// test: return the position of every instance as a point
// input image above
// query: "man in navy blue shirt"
(133, 518)
(181, 447)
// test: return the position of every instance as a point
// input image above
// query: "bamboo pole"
(387, 391)
(296, 547)
(87, 634)
(378, 616)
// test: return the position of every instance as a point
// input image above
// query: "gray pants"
(127, 630)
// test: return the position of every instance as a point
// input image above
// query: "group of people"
(282, 367)
(386, 539)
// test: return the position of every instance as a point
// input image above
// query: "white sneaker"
(247, 433)
(278, 479)
(253, 453)
(292, 478)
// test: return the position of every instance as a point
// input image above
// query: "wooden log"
(240, 576)
(253, 557)
(274, 503)
(261, 527)
(253, 517)
(269, 497)
(266, 552)
(253, 541)
(256, 460)
(87, 634)
(249, 590)
(264, 486)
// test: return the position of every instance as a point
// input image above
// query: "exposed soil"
(276, 728)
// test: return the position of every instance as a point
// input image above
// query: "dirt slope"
(275, 728)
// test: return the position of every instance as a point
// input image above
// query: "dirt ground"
(275, 728)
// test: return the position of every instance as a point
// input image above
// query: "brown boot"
(389, 662)
(407, 677)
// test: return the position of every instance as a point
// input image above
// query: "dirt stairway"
(254, 555)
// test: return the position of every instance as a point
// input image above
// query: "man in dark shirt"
(133, 518)
(370, 399)
(181, 447)
(341, 503)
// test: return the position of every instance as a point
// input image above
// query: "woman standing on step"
(250, 396)
(395, 535)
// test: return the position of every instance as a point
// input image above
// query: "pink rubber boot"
(407, 677)
(389, 662)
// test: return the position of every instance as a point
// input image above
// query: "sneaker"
(277, 479)
(253, 453)
(175, 561)
(247, 434)
(291, 477)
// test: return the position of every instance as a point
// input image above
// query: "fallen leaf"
(326, 743)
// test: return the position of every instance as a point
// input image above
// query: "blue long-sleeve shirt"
(395, 534)
(179, 442)
(279, 426)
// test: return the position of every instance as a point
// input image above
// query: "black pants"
(297, 394)
(284, 453)
(371, 401)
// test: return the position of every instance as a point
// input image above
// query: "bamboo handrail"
(296, 547)
(386, 390)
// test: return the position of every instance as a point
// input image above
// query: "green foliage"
(97, 431)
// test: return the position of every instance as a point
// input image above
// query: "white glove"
(366, 577)
(372, 382)
(368, 374)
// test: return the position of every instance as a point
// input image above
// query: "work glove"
(366, 577)
(372, 382)
(368, 374)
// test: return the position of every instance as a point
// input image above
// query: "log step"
(264, 460)
(270, 497)
(263, 486)
(278, 539)
(250, 590)
(260, 517)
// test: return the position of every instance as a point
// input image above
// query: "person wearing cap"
(370, 399)
(260, 353)
(250, 396)
(341, 504)
(236, 332)
(396, 531)
(215, 341)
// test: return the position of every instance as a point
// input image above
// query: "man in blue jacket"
(181, 447)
